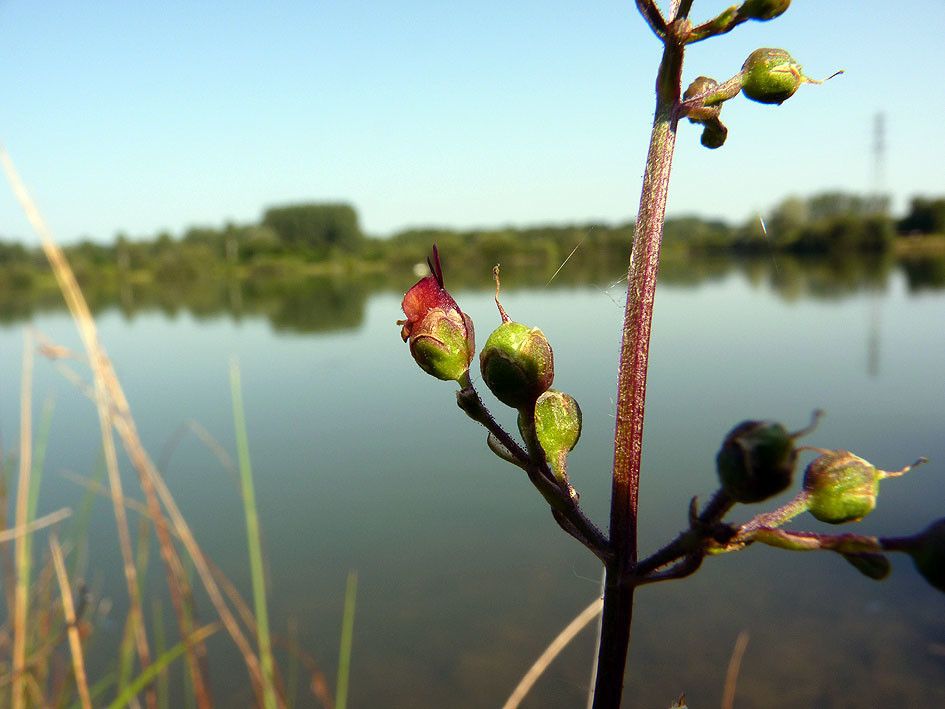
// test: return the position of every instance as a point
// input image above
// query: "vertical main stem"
(631, 385)
(635, 347)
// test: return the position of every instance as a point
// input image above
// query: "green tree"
(320, 228)
(926, 216)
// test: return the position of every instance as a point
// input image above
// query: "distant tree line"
(293, 239)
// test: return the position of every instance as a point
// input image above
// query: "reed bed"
(46, 625)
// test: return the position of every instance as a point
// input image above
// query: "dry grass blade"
(101, 369)
(8, 535)
(734, 666)
(95, 487)
(246, 615)
(7, 573)
(551, 652)
(68, 611)
(222, 582)
(128, 433)
(124, 424)
(21, 592)
(205, 437)
(153, 483)
(318, 683)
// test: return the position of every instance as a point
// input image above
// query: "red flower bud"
(441, 336)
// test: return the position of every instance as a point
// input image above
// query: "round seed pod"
(771, 76)
(756, 461)
(763, 9)
(517, 364)
(714, 134)
(929, 554)
(841, 487)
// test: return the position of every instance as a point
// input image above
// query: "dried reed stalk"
(8, 535)
(734, 667)
(150, 479)
(101, 369)
(68, 611)
(21, 592)
(551, 652)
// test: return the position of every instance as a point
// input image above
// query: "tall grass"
(252, 537)
(68, 612)
(347, 637)
(23, 558)
(139, 673)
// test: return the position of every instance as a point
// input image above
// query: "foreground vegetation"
(51, 612)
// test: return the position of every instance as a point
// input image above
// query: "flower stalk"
(631, 379)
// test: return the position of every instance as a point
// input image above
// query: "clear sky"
(144, 116)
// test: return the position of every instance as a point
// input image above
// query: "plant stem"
(631, 381)
(564, 509)
(254, 545)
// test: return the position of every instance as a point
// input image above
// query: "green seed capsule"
(841, 487)
(763, 9)
(517, 364)
(756, 461)
(558, 428)
(929, 555)
(771, 76)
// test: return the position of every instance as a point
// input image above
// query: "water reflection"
(299, 303)
(924, 273)
(464, 578)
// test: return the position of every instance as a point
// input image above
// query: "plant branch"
(688, 566)
(654, 18)
(690, 541)
(681, 9)
(565, 509)
(773, 519)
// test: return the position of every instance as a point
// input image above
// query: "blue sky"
(149, 116)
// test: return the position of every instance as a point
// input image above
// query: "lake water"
(364, 463)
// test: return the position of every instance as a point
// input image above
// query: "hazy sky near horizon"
(142, 117)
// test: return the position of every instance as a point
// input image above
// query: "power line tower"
(879, 200)
(878, 205)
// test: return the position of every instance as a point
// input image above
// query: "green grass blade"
(152, 670)
(292, 672)
(97, 689)
(163, 682)
(39, 457)
(252, 539)
(21, 603)
(127, 654)
(347, 635)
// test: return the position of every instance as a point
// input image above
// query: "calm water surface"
(363, 463)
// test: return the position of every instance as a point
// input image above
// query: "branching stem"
(631, 381)
(566, 511)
